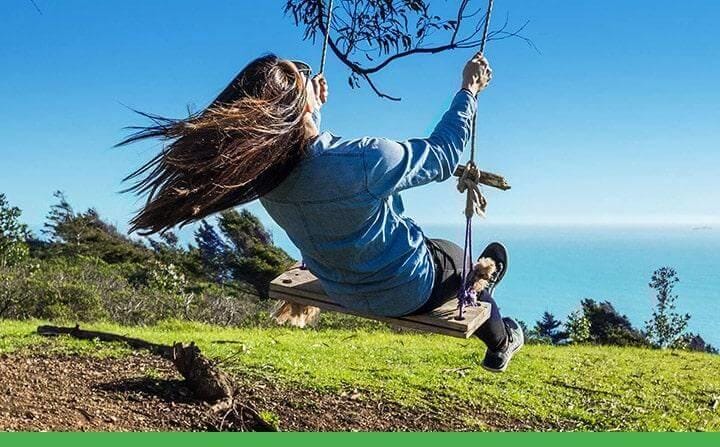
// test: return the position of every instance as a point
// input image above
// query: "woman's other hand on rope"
(477, 74)
(321, 89)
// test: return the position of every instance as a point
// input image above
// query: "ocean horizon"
(552, 268)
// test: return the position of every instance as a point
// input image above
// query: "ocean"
(552, 268)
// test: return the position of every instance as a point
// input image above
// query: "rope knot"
(475, 202)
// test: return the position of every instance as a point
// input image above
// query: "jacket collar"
(320, 144)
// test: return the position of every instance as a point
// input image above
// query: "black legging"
(448, 260)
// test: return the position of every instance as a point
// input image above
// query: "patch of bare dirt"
(144, 393)
(134, 393)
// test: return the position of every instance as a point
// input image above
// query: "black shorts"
(448, 262)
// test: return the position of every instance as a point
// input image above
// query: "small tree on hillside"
(13, 235)
(547, 327)
(254, 258)
(213, 252)
(666, 326)
(244, 230)
(577, 327)
(86, 234)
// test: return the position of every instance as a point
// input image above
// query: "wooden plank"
(301, 286)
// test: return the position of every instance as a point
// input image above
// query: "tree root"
(202, 376)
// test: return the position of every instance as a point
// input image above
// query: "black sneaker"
(498, 361)
(497, 252)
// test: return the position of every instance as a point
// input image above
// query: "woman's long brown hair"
(240, 147)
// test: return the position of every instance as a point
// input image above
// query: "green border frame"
(359, 439)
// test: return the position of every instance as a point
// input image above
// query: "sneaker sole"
(505, 367)
(505, 267)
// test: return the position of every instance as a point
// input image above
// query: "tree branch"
(379, 29)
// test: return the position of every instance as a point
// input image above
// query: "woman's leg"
(493, 331)
(448, 259)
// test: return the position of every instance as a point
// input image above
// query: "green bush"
(609, 327)
(577, 327)
(59, 289)
(89, 289)
(13, 235)
(16, 296)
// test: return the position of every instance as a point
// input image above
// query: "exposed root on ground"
(202, 376)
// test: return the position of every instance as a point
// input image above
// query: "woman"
(337, 199)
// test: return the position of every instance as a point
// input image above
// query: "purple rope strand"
(464, 298)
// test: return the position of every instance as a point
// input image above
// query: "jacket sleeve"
(392, 166)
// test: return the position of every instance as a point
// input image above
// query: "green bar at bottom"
(359, 439)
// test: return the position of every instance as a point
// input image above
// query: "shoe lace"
(509, 332)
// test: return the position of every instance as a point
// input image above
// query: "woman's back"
(365, 253)
(340, 206)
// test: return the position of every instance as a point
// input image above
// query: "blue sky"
(616, 121)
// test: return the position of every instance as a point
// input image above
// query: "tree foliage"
(253, 257)
(87, 270)
(13, 235)
(368, 35)
(548, 327)
(213, 252)
(86, 234)
(608, 326)
(694, 342)
(666, 327)
(577, 327)
(240, 250)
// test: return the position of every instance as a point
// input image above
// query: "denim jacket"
(341, 207)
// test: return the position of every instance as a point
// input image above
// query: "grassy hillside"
(574, 388)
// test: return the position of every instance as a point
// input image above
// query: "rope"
(483, 41)
(475, 203)
(323, 57)
(326, 38)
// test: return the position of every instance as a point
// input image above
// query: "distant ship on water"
(702, 228)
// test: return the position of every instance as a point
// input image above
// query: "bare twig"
(37, 8)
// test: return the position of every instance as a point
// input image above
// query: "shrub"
(87, 289)
(16, 296)
(55, 290)
(577, 327)
(13, 235)
(694, 342)
(608, 327)
(219, 307)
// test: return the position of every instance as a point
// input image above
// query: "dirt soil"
(144, 393)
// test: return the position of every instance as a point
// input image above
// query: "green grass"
(577, 387)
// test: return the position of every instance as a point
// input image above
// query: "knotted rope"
(475, 202)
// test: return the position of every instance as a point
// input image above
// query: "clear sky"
(616, 121)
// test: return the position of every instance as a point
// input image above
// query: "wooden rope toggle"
(475, 202)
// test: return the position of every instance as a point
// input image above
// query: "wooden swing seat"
(298, 285)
